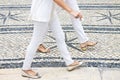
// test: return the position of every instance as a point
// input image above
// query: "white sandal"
(24, 74)
(44, 50)
(74, 66)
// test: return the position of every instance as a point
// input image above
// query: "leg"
(83, 39)
(40, 30)
(76, 22)
(60, 39)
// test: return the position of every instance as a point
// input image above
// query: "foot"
(30, 74)
(74, 65)
(43, 49)
(86, 44)
(89, 43)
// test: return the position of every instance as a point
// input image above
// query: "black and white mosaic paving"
(101, 23)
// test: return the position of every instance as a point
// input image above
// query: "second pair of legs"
(83, 46)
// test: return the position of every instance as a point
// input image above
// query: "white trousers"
(76, 22)
(40, 30)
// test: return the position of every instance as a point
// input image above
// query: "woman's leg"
(60, 39)
(83, 39)
(76, 22)
(40, 30)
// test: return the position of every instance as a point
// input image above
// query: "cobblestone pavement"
(101, 23)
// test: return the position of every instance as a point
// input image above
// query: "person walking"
(44, 16)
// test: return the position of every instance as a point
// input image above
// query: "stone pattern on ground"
(101, 23)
